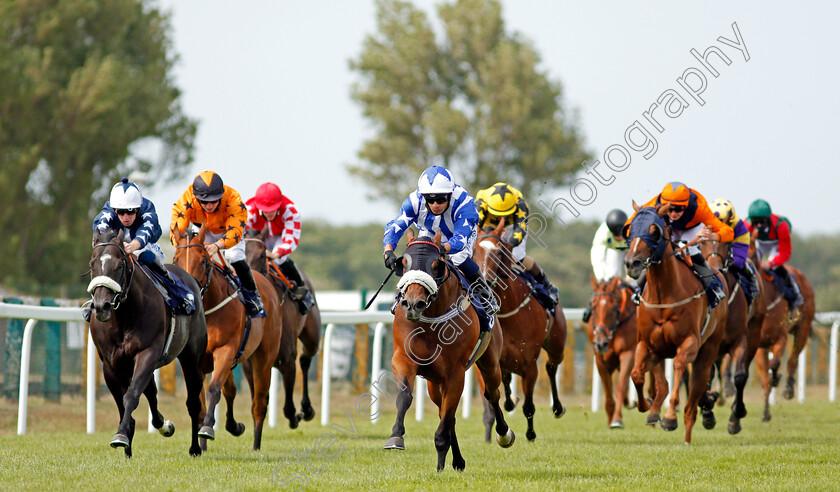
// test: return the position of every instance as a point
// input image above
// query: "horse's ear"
(202, 231)
(119, 238)
(594, 281)
(264, 233)
(438, 234)
(662, 209)
(635, 207)
(625, 232)
(499, 228)
(409, 235)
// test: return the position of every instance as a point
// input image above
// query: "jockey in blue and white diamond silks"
(439, 204)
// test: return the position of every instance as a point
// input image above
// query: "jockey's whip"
(379, 289)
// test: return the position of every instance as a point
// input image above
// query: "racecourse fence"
(64, 359)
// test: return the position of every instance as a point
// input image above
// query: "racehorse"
(775, 326)
(435, 330)
(526, 326)
(736, 333)
(612, 332)
(673, 319)
(135, 333)
(306, 328)
(231, 336)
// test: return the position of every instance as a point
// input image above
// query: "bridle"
(618, 308)
(206, 262)
(483, 265)
(120, 289)
(438, 280)
(269, 268)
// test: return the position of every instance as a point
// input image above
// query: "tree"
(86, 95)
(476, 102)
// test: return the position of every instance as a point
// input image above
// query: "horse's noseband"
(609, 331)
(119, 288)
(206, 262)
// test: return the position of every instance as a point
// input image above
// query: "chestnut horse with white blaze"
(526, 325)
(673, 318)
(231, 336)
(435, 330)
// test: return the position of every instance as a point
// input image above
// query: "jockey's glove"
(390, 259)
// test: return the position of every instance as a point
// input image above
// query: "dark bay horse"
(135, 333)
(527, 327)
(673, 319)
(612, 331)
(306, 328)
(231, 336)
(736, 331)
(775, 327)
(435, 330)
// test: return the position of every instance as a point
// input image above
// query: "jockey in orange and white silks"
(690, 217)
(220, 208)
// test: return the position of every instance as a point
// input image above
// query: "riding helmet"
(268, 197)
(436, 180)
(125, 195)
(208, 186)
(724, 210)
(759, 208)
(502, 200)
(675, 193)
(615, 221)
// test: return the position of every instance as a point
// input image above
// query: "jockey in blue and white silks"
(439, 204)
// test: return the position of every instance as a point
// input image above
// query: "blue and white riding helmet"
(436, 180)
(125, 195)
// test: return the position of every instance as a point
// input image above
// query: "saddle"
(788, 291)
(538, 290)
(479, 308)
(172, 293)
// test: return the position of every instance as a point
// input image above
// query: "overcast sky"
(269, 82)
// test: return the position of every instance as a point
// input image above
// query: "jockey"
(270, 208)
(129, 210)
(607, 254)
(504, 201)
(220, 208)
(689, 217)
(724, 210)
(439, 204)
(773, 246)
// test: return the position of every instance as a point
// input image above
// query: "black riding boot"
(486, 297)
(750, 277)
(539, 276)
(253, 302)
(713, 287)
(793, 295)
(299, 292)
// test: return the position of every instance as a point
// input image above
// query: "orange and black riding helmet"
(208, 187)
(675, 193)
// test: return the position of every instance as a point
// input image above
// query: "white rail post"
(800, 378)
(419, 395)
(669, 376)
(375, 371)
(466, 395)
(832, 362)
(325, 376)
(596, 387)
(157, 386)
(91, 385)
(23, 392)
(273, 388)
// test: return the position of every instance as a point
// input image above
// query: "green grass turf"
(799, 449)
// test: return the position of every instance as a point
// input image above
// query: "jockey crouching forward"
(271, 208)
(439, 204)
(219, 207)
(504, 201)
(725, 211)
(690, 217)
(129, 210)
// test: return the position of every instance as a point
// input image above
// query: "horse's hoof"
(459, 464)
(207, 432)
(734, 427)
(293, 422)
(506, 441)
(668, 424)
(395, 442)
(531, 435)
(559, 413)
(120, 441)
(308, 413)
(709, 420)
(740, 411)
(788, 394)
(167, 429)
(511, 404)
(616, 424)
(652, 419)
(766, 418)
(195, 451)
(235, 430)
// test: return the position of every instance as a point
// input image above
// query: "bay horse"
(435, 330)
(673, 319)
(736, 332)
(231, 336)
(526, 326)
(134, 333)
(775, 327)
(612, 332)
(306, 328)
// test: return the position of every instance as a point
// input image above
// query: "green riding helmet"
(758, 209)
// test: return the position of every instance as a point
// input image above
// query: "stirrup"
(480, 347)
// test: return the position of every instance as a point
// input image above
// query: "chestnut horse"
(736, 333)
(673, 318)
(526, 325)
(773, 335)
(612, 332)
(435, 330)
(306, 328)
(134, 333)
(230, 339)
